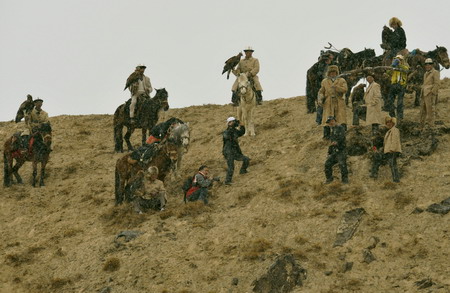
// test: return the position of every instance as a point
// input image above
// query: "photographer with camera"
(198, 189)
(337, 152)
(231, 150)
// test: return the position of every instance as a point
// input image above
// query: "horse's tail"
(118, 125)
(118, 191)
(6, 171)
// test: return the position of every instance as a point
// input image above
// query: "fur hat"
(249, 48)
(429, 61)
(395, 20)
(332, 68)
(329, 118)
(399, 57)
(390, 119)
(152, 170)
(38, 100)
(141, 66)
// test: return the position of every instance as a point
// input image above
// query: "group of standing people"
(331, 100)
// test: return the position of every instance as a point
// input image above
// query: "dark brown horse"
(39, 152)
(24, 109)
(147, 117)
(127, 174)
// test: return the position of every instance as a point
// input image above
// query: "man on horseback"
(139, 85)
(249, 66)
(36, 117)
(395, 40)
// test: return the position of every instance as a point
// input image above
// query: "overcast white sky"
(77, 54)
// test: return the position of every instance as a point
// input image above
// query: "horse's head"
(43, 139)
(442, 57)
(24, 109)
(243, 83)
(161, 97)
(180, 134)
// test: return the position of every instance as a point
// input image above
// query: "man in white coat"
(373, 97)
(142, 87)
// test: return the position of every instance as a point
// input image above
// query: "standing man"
(142, 86)
(332, 97)
(250, 66)
(392, 149)
(399, 76)
(231, 150)
(325, 60)
(430, 89)
(337, 152)
(372, 99)
(37, 116)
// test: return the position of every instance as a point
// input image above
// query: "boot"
(259, 97)
(235, 99)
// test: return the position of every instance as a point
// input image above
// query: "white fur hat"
(141, 65)
(399, 57)
(229, 119)
(249, 48)
(429, 61)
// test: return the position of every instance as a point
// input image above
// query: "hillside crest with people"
(63, 237)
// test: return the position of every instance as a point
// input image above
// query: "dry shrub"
(122, 217)
(166, 214)
(17, 259)
(401, 200)
(300, 240)
(192, 209)
(84, 132)
(70, 169)
(289, 185)
(389, 185)
(57, 283)
(256, 249)
(70, 232)
(246, 196)
(111, 265)
(300, 254)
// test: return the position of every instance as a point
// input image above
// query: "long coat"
(431, 82)
(36, 118)
(392, 141)
(333, 92)
(251, 66)
(373, 104)
(141, 87)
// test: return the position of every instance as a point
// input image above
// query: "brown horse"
(25, 108)
(128, 175)
(39, 152)
(147, 116)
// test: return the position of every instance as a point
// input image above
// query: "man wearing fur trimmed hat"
(37, 116)
(396, 41)
(332, 97)
(250, 66)
(429, 95)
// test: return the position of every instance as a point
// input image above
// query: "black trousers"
(391, 158)
(339, 157)
(230, 165)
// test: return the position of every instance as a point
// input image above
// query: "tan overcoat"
(373, 104)
(333, 92)
(251, 66)
(430, 82)
(392, 141)
(142, 86)
(36, 118)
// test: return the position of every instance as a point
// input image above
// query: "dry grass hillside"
(60, 238)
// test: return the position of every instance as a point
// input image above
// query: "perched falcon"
(134, 77)
(231, 63)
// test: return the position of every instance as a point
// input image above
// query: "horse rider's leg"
(133, 106)
(234, 99)
(34, 173)
(127, 136)
(144, 135)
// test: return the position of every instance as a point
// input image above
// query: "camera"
(236, 123)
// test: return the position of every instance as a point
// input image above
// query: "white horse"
(180, 134)
(247, 103)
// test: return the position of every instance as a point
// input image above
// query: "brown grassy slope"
(59, 238)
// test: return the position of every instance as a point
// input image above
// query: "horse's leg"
(7, 169)
(127, 136)
(118, 138)
(251, 125)
(417, 93)
(43, 164)
(34, 172)
(15, 170)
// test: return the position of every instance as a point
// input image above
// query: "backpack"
(187, 184)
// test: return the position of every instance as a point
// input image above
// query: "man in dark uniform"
(337, 152)
(231, 150)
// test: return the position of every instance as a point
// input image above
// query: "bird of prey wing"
(231, 63)
(134, 77)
